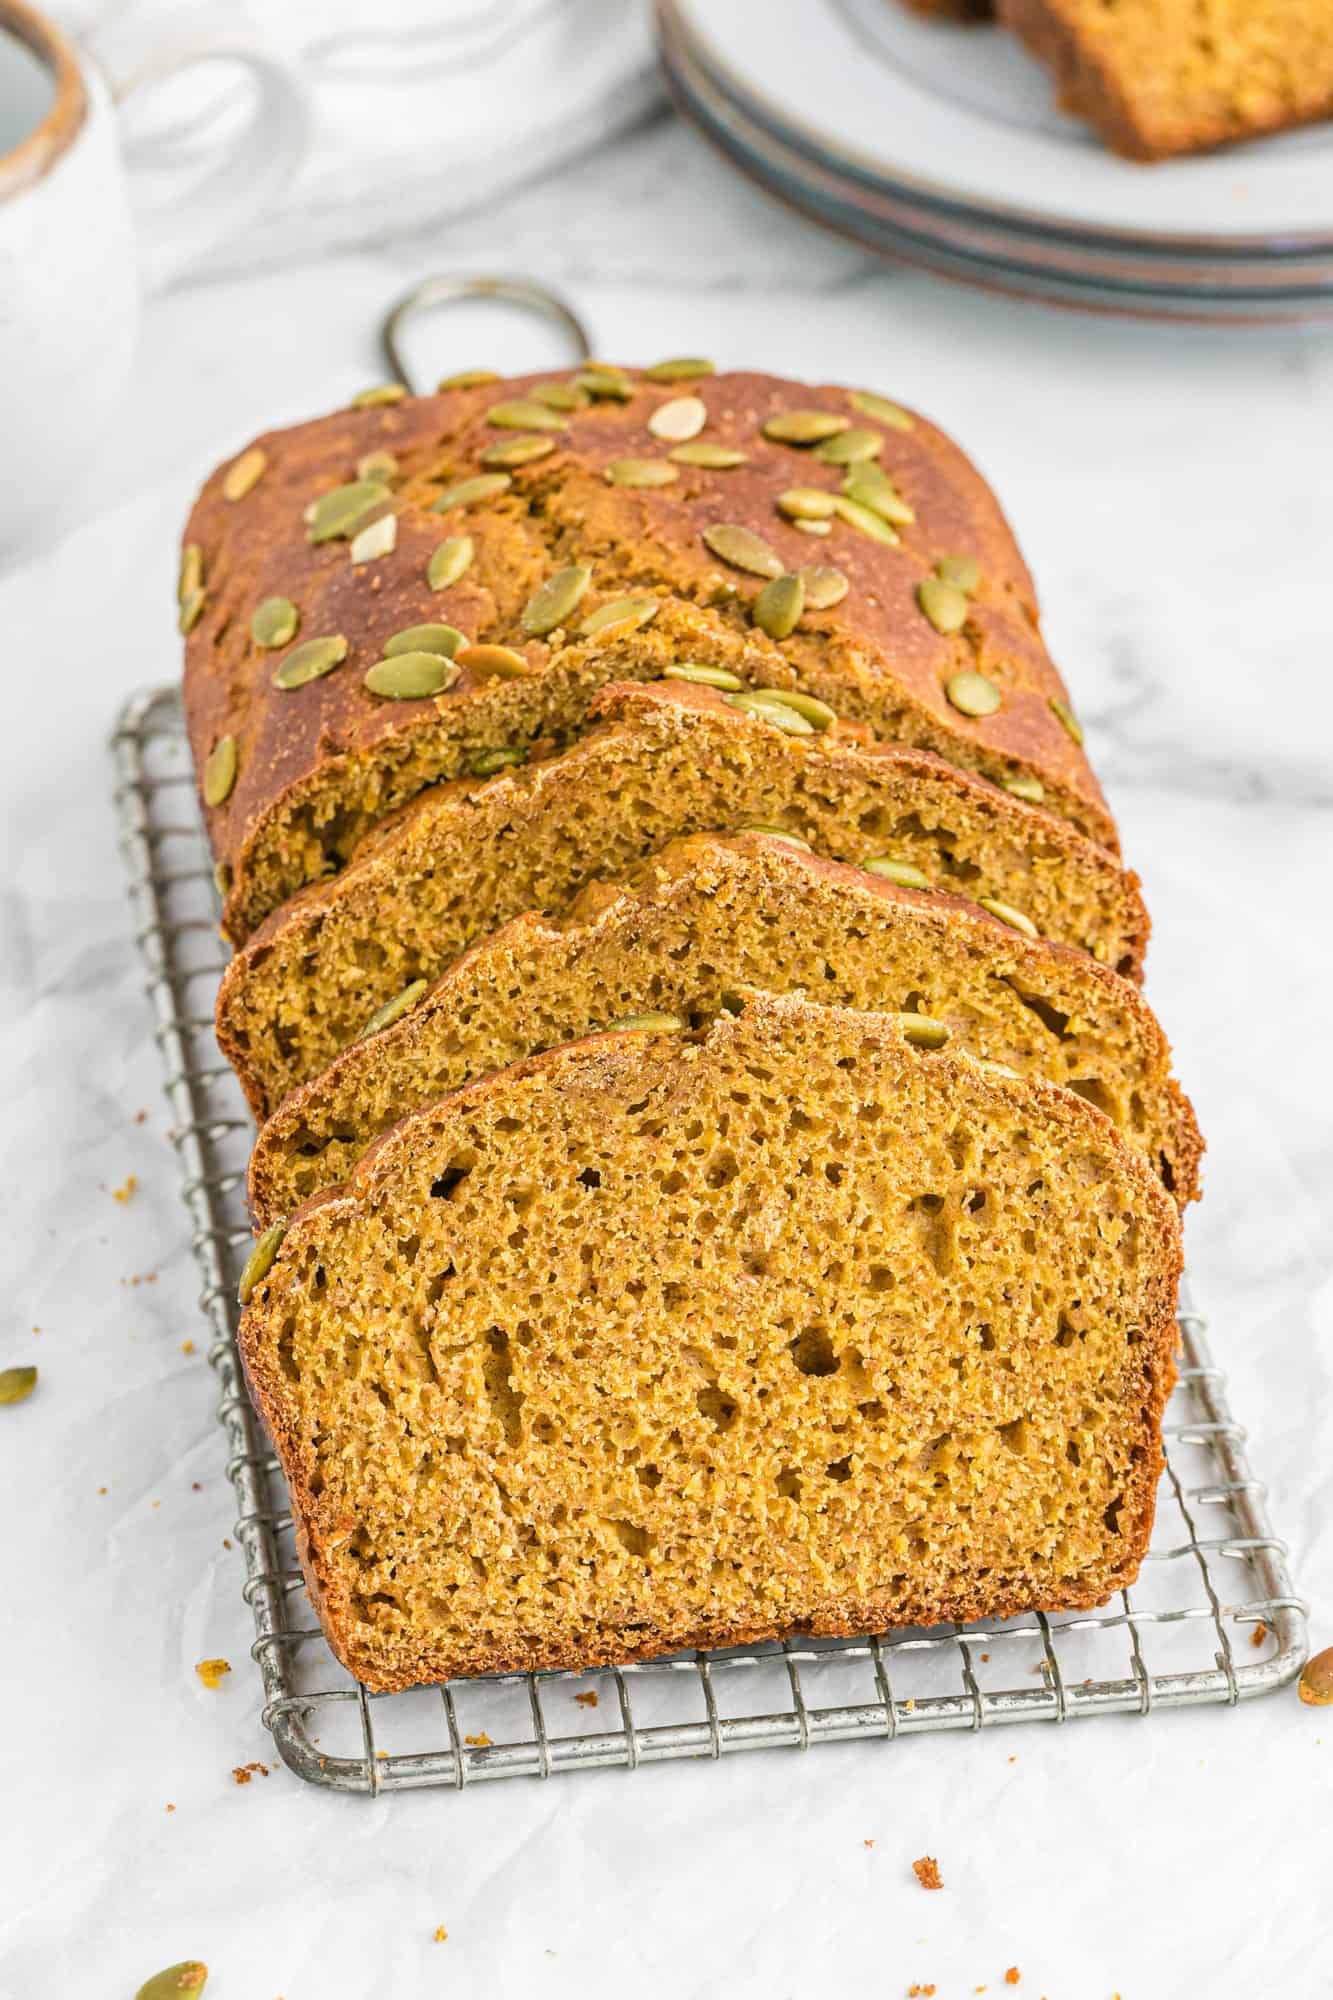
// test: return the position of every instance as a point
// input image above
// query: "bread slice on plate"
(666, 760)
(662, 1340)
(1158, 78)
(709, 915)
(523, 543)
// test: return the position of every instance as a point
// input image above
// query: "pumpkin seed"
(493, 662)
(700, 675)
(640, 472)
(17, 1384)
(394, 1010)
(901, 872)
(824, 587)
(517, 451)
(990, 1068)
(1031, 789)
(870, 487)
(742, 549)
(560, 395)
(255, 1269)
(813, 527)
(244, 473)
(778, 607)
(679, 420)
(1067, 719)
(379, 539)
(804, 426)
(849, 448)
(410, 676)
(651, 1020)
(191, 611)
(777, 833)
(467, 378)
(962, 571)
(713, 457)
(630, 612)
(520, 413)
(491, 761)
(882, 410)
(604, 383)
(943, 604)
(220, 771)
(751, 702)
(311, 661)
(378, 397)
(687, 368)
(338, 514)
(191, 574)
(815, 711)
(922, 1031)
(222, 878)
(442, 639)
(467, 492)
(181, 1979)
(806, 503)
(381, 465)
(548, 608)
(865, 520)
(1017, 920)
(973, 694)
(274, 622)
(451, 560)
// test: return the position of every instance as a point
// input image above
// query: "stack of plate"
(939, 145)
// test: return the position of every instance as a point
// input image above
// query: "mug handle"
(257, 164)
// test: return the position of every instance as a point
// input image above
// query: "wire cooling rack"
(1213, 1617)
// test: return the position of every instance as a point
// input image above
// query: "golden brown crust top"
(560, 509)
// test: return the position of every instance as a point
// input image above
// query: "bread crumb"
(211, 1672)
(867, 1843)
(482, 1741)
(985, 1659)
(226, 1541)
(440, 1934)
(924, 1992)
(187, 1347)
(196, 1486)
(171, 1808)
(126, 1189)
(1259, 1634)
(101, 1489)
(139, 1117)
(588, 1700)
(243, 1773)
(1014, 1758)
(1012, 1976)
(927, 1872)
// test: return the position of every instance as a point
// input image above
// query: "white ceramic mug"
(75, 250)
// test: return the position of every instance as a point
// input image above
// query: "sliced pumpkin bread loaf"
(461, 859)
(655, 1341)
(402, 593)
(703, 918)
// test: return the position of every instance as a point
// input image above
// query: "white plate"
(962, 117)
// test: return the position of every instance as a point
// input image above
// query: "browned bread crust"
(461, 859)
(702, 918)
(649, 1343)
(319, 764)
(1158, 78)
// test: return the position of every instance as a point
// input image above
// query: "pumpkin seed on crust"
(639, 472)
(1017, 920)
(964, 572)
(865, 520)
(851, 447)
(394, 1010)
(824, 586)
(379, 396)
(742, 549)
(870, 487)
(521, 413)
(922, 1031)
(777, 833)
(377, 465)
(805, 503)
(882, 410)
(1031, 789)
(901, 872)
(244, 473)
(560, 395)
(685, 368)
(468, 492)
(817, 713)
(701, 675)
(191, 610)
(337, 514)
(779, 713)
(442, 639)
(1067, 719)
(467, 378)
(190, 576)
(778, 607)
(973, 694)
(943, 604)
(253, 1272)
(378, 538)
(274, 622)
(502, 759)
(548, 607)
(712, 457)
(450, 561)
(220, 771)
(310, 661)
(524, 449)
(679, 420)
(802, 427)
(621, 613)
(493, 662)
(630, 1022)
(410, 677)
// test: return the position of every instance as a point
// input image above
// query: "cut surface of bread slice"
(460, 860)
(624, 525)
(655, 1342)
(1156, 78)
(709, 915)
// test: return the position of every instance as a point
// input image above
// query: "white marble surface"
(1172, 490)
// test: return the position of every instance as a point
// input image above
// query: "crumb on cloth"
(927, 1872)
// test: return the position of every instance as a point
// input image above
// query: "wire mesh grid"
(1212, 1618)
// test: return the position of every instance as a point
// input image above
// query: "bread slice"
(709, 915)
(1157, 78)
(462, 859)
(653, 1342)
(301, 772)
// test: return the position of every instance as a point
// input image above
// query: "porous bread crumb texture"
(319, 764)
(680, 933)
(1156, 78)
(460, 861)
(651, 1343)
